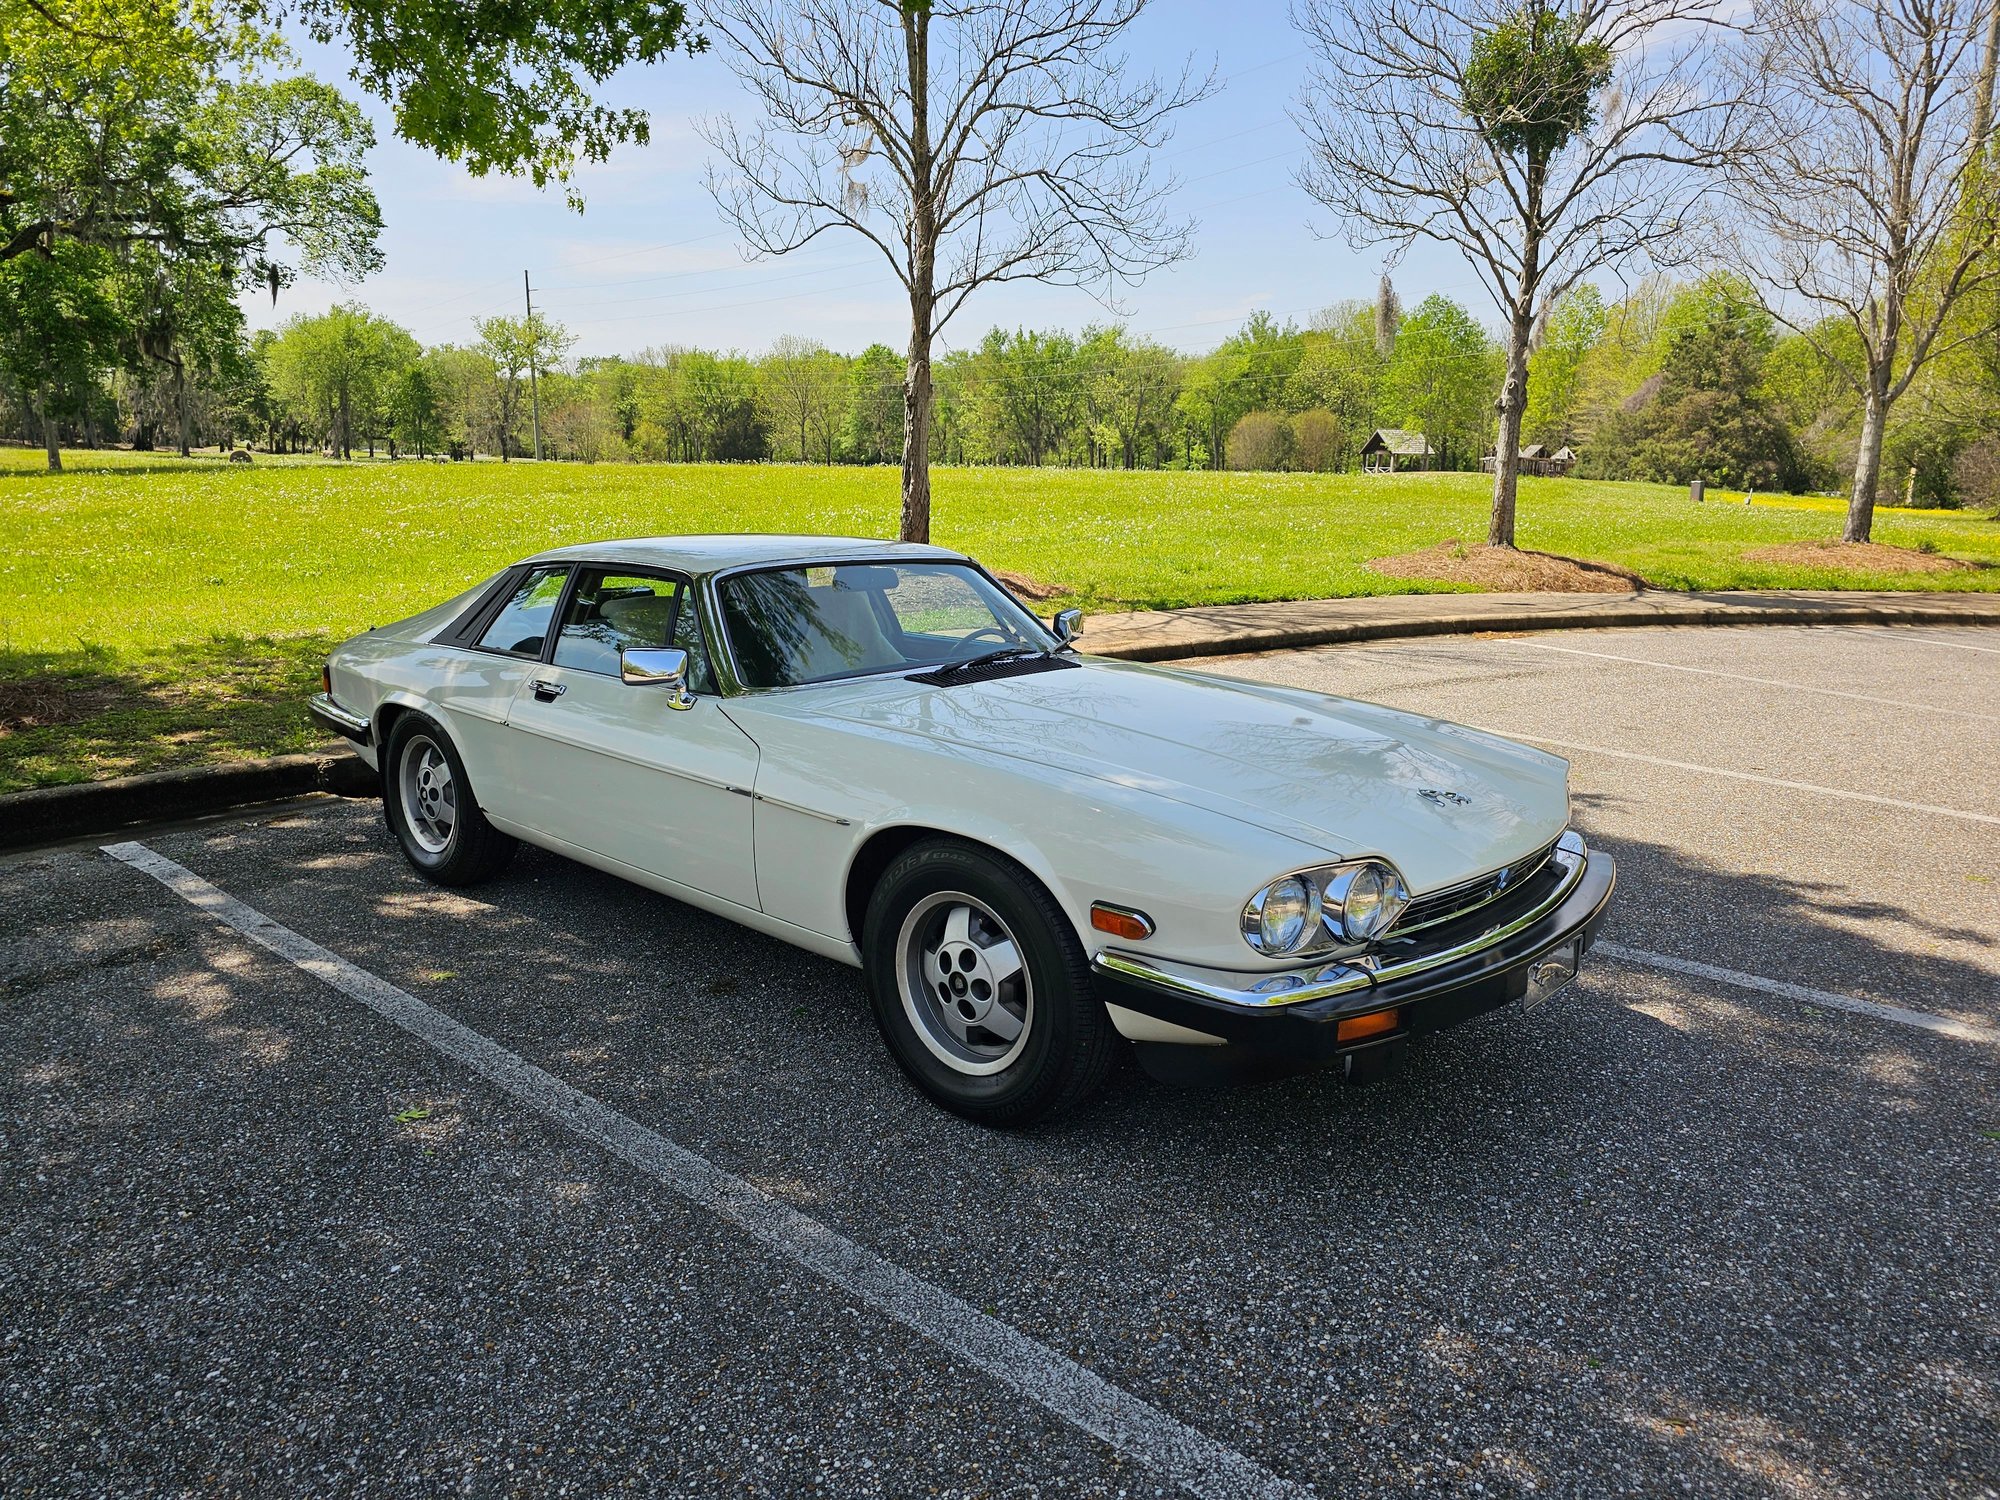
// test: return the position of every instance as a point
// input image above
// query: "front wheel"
(981, 988)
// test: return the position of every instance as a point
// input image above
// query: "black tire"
(1069, 1042)
(473, 850)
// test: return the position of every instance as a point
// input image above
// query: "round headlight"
(1375, 898)
(1285, 914)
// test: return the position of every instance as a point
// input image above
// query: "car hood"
(1443, 802)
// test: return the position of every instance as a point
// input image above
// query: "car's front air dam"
(1277, 1040)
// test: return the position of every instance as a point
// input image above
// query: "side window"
(610, 611)
(523, 622)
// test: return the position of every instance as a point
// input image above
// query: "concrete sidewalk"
(1219, 630)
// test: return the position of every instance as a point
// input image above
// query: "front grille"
(1442, 906)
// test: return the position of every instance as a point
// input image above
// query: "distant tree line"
(1675, 381)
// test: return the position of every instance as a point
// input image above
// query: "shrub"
(1260, 440)
(1318, 445)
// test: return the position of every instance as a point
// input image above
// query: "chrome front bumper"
(1444, 975)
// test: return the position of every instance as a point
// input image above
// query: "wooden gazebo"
(1536, 459)
(1390, 450)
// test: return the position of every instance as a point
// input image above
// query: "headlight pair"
(1313, 910)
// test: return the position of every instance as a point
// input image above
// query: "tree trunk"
(181, 406)
(1868, 463)
(1513, 403)
(923, 283)
(346, 425)
(917, 427)
(1982, 88)
(50, 440)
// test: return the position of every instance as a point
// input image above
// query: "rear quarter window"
(522, 626)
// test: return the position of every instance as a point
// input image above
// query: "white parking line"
(1907, 634)
(1965, 1031)
(1173, 1450)
(1777, 682)
(1797, 786)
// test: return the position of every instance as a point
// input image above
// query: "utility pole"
(534, 385)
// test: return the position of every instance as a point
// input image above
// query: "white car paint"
(1175, 793)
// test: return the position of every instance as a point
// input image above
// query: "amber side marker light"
(1360, 1028)
(326, 679)
(1119, 921)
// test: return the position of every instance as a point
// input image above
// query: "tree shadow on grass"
(95, 711)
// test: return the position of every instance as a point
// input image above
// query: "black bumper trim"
(1435, 999)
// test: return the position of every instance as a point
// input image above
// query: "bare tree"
(801, 380)
(1542, 141)
(970, 141)
(1866, 197)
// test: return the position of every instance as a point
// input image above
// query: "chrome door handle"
(546, 691)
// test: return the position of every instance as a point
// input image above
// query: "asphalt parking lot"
(1724, 1219)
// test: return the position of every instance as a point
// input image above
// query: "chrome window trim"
(1322, 981)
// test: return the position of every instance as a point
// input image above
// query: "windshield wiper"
(967, 663)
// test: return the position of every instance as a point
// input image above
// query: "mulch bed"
(1510, 570)
(1860, 557)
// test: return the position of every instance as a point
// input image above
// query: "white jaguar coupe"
(874, 752)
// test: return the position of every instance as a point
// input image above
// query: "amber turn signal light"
(1120, 921)
(1361, 1028)
(326, 679)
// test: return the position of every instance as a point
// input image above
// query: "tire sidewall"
(408, 727)
(1019, 1088)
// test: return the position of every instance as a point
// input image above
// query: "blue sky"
(650, 262)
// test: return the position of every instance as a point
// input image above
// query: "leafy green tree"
(1706, 414)
(1037, 390)
(508, 88)
(1575, 323)
(1438, 379)
(873, 430)
(63, 322)
(335, 370)
(413, 408)
(520, 349)
(1132, 385)
(1340, 373)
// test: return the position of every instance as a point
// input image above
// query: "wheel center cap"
(958, 984)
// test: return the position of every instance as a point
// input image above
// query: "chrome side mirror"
(1069, 625)
(657, 666)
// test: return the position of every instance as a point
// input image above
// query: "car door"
(621, 771)
(477, 676)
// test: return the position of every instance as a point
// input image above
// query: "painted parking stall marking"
(1776, 682)
(1756, 776)
(1176, 1452)
(1923, 1020)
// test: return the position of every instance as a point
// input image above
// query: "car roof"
(714, 553)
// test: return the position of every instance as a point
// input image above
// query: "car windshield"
(793, 625)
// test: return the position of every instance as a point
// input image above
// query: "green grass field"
(162, 612)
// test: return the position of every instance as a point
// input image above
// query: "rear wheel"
(981, 988)
(431, 809)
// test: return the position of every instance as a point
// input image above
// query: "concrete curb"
(1232, 629)
(50, 813)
